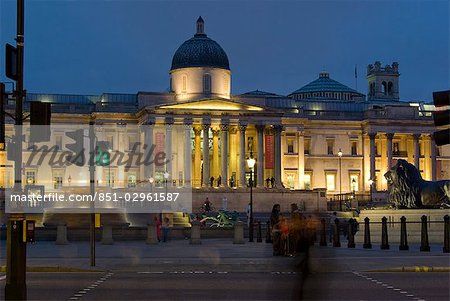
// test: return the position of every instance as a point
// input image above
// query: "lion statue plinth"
(407, 189)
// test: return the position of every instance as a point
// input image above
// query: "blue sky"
(91, 47)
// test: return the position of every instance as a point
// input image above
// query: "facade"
(296, 139)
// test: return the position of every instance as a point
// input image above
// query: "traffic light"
(40, 115)
(103, 153)
(441, 117)
(77, 147)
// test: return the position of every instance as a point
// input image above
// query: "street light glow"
(251, 162)
(340, 153)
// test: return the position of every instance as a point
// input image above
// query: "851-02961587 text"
(137, 197)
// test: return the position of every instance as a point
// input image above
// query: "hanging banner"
(269, 152)
(159, 147)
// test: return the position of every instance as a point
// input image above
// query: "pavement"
(218, 269)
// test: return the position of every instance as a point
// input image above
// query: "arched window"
(184, 83)
(206, 83)
(384, 88)
(389, 89)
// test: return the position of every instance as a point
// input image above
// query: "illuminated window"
(290, 145)
(58, 141)
(331, 181)
(58, 179)
(31, 177)
(354, 147)
(131, 179)
(307, 146)
(354, 182)
(307, 181)
(330, 146)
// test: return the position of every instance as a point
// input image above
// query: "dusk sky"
(94, 47)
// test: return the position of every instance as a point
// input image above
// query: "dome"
(200, 51)
(325, 84)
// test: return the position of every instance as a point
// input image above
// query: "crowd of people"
(291, 235)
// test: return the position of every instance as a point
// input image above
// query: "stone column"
(433, 158)
(187, 152)
(169, 155)
(206, 174)
(416, 150)
(372, 158)
(389, 149)
(260, 159)
(197, 157)
(301, 160)
(277, 171)
(242, 163)
(224, 148)
(215, 172)
(148, 145)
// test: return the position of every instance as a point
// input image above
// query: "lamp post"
(251, 164)
(151, 180)
(370, 188)
(340, 179)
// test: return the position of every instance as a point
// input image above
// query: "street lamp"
(370, 188)
(340, 179)
(251, 164)
(151, 180)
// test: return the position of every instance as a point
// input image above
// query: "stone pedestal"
(107, 238)
(152, 237)
(195, 233)
(238, 233)
(61, 235)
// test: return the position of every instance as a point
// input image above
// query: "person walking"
(276, 229)
(272, 182)
(166, 229)
(219, 181)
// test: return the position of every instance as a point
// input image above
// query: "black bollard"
(367, 243)
(446, 248)
(259, 234)
(268, 233)
(336, 238)
(384, 234)
(424, 245)
(403, 235)
(351, 233)
(323, 233)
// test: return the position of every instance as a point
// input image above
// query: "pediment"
(212, 105)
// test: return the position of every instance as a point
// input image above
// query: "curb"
(54, 269)
(414, 269)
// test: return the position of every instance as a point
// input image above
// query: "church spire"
(200, 26)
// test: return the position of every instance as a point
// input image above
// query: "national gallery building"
(322, 135)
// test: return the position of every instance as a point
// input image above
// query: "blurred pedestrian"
(276, 229)
(166, 229)
(157, 223)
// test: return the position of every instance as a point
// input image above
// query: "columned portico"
(169, 157)
(389, 136)
(260, 159)
(187, 152)
(224, 149)
(215, 153)
(242, 127)
(416, 150)
(433, 158)
(148, 144)
(197, 156)
(372, 157)
(206, 174)
(277, 171)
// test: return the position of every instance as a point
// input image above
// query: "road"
(377, 286)
(190, 285)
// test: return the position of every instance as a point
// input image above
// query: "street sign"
(11, 70)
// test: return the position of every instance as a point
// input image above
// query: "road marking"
(93, 285)
(388, 286)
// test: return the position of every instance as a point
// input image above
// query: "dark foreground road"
(377, 286)
(163, 286)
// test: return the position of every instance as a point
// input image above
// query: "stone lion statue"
(407, 189)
